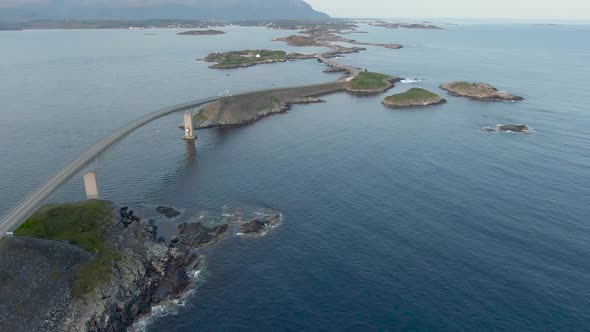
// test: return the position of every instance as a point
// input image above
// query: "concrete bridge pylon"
(188, 127)
(91, 185)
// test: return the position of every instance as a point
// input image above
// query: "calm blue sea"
(394, 219)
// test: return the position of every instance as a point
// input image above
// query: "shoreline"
(146, 271)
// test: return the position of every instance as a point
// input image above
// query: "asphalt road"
(354, 71)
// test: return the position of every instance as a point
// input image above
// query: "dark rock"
(517, 128)
(201, 32)
(334, 69)
(258, 225)
(167, 211)
(146, 273)
(196, 234)
(489, 130)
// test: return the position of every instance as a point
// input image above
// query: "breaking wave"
(411, 80)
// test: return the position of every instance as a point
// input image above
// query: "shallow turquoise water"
(395, 220)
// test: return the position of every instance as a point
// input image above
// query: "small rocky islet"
(209, 32)
(414, 97)
(513, 128)
(259, 225)
(479, 91)
(167, 211)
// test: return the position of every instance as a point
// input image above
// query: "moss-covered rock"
(415, 97)
(480, 91)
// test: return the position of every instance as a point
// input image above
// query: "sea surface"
(393, 219)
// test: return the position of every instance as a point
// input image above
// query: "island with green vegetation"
(414, 97)
(325, 38)
(207, 32)
(246, 108)
(371, 83)
(249, 58)
(95, 266)
(300, 40)
(479, 91)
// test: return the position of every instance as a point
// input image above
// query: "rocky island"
(94, 266)
(249, 58)
(514, 128)
(371, 83)
(405, 25)
(415, 97)
(246, 108)
(326, 38)
(258, 226)
(300, 41)
(167, 211)
(207, 32)
(479, 91)
(249, 107)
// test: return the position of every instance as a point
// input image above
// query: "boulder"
(167, 211)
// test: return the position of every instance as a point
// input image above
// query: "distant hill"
(18, 10)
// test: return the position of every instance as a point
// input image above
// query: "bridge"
(352, 70)
(31, 203)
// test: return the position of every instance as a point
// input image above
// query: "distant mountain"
(19, 10)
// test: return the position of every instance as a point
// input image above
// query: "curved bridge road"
(32, 202)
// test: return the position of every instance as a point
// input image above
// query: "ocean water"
(394, 219)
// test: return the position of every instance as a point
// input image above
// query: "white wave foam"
(165, 309)
(411, 80)
(196, 274)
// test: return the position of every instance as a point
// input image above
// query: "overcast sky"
(503, 9)
(510, 9)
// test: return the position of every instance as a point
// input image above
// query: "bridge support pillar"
(91, 185)
(188, 127)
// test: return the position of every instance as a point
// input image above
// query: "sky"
(489, 9)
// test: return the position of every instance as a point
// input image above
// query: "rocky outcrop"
(168, 211)
(303, 100)
(326, 37)
(415, 97)
(38, 277)
(250, 107)
(259, 226)
(479, 91)
(196, 234)
(335, 70)
(515, 128)
(299, 40)
(201, 32)
(405, 25)
(145, 273)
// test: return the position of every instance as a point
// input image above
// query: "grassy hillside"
(369, 81)
(414, 94)
(80, 224)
